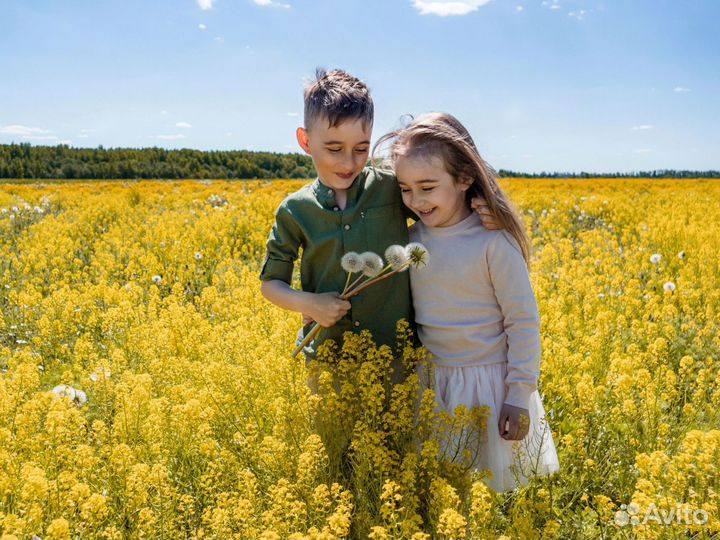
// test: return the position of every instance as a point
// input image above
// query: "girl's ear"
(465, 182)
(303, 139)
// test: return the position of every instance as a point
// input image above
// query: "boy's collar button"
(347, 226)
(336, 208)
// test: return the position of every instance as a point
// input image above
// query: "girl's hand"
(307, 319)
(514, 422)
(488, 218)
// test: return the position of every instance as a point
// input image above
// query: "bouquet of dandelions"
(372, 270)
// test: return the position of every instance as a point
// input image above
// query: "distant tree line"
(62, 162)
(659, 173)
(26, 161)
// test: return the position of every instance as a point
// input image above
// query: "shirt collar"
(326, 196)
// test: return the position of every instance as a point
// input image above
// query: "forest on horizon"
(24, 161)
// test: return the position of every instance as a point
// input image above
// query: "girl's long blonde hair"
(442, 135)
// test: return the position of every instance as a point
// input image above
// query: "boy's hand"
(514, 422)
(328, 308)
(307, 319)
(488, 218)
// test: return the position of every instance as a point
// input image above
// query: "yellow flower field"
(147, 388)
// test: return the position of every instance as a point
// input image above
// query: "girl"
(474, 304)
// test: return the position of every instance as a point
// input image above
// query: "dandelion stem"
(308, 337)
(365, 285)
(347, 288)
(347, 282)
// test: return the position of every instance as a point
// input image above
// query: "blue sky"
(561, 85)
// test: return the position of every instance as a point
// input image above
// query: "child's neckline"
(465, 223)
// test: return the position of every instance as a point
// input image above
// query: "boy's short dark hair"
(337, 96)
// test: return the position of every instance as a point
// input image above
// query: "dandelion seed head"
(198, 256)
(681, 255)
(396, 257)
(157, 279)
(372, 263)
(417, 254)
(655, 258)
(669, 287)
(351, 262)
(64, 390)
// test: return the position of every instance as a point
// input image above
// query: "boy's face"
(339, 153)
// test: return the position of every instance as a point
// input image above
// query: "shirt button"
(357, 323)
(347, 226)
(336, 208)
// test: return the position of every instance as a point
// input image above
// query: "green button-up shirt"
(373, 219)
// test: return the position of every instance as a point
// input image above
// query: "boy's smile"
(338, 152)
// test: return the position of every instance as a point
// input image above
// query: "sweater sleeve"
(521, 320)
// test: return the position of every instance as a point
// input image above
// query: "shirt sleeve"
(283, 244)
(513, 290)
(407, 213)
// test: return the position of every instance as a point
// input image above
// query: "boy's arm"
(486, 216)
(283, 245)
(325, 308)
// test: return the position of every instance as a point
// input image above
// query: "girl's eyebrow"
(425, 181)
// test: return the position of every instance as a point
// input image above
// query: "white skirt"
(510, 463)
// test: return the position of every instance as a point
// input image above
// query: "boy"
(349, 207)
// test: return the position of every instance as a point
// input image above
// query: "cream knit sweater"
(474, 303)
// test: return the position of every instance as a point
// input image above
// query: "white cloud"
(579, 15)
(518, 9)
(271, 3)
(205, 4)
(445, 8)
(83, 136)
(201, 26)
(163, 112)
(552, 4)
(87, 130)
(643, 151)
(219, 39)
(681, 89)
(40, 137)
(22, 130)
(642, 127)
(169, 137)
(183, 125)
(293, 114)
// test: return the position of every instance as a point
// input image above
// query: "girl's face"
(431, 192)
